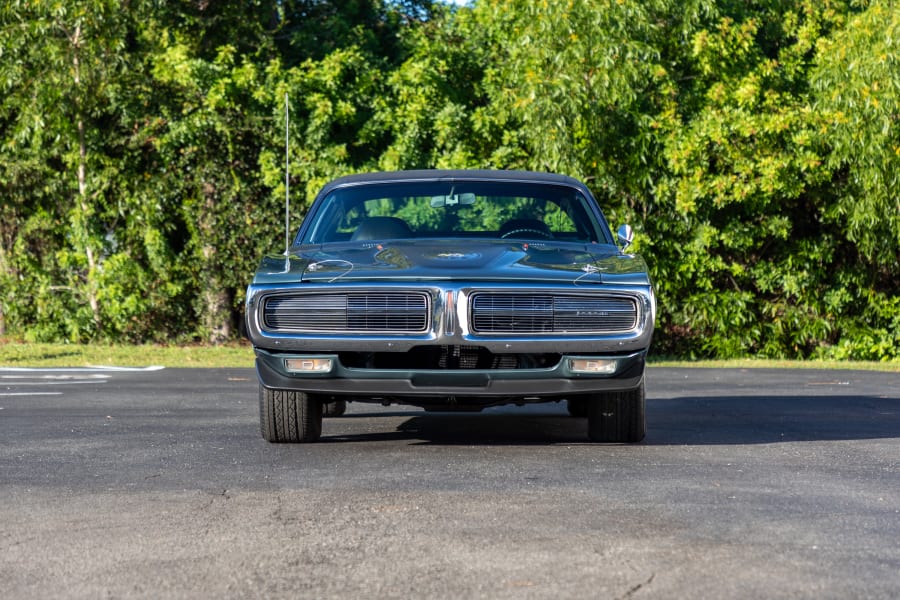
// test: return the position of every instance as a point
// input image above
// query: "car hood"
(468, 260)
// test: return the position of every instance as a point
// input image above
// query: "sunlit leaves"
(857, 92)
(753, 145)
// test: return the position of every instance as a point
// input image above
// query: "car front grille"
(345, 313)
(497, 313)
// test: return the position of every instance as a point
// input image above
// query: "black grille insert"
(383, 312)
(552, 313)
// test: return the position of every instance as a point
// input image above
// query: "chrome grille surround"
(551, 313)
(347, 312)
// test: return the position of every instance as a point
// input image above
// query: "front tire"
(289, 416)
(617, 416)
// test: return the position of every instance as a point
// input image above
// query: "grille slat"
(351, 312)
(551, 314)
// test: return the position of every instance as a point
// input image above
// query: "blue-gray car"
(449, 291)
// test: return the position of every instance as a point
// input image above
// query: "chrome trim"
(449, 316)
(625, 236)
(441, 315)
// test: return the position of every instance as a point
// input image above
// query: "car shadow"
(771, 419)
(689, 420)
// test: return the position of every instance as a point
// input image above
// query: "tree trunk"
(5, 270)
(217, 313)
(82, 187)
(217, 317)
(216, 301)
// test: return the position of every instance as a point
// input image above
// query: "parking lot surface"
(156, 483)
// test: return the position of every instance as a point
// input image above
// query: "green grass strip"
(15, 354)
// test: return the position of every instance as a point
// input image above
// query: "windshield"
(498, 210)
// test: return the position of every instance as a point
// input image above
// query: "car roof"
(453, 175)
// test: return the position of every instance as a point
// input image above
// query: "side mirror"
(626, 235)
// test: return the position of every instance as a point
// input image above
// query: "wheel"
(289, 416)
(577, 407)
(518, 233)
(617, 416)
(337, 408)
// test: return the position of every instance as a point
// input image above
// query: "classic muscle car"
(452, 290)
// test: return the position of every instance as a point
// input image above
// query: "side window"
(558, 220)
(381, 207)
(349, 221)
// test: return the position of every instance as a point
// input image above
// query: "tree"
(434, 110)
(856, 83)
(753, 145)
(742, 186)
(856, 95)
(59, 66)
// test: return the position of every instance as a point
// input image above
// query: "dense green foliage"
(754, 146)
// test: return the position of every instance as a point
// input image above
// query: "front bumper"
(406, 386)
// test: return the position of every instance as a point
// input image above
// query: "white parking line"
(15, 378)
(72, 382)
(56, 377)
(94, 369)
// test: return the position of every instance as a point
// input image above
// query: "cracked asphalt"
(750, 484)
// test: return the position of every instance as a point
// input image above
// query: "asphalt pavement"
(156, 483)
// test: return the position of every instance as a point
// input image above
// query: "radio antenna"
(287, 179)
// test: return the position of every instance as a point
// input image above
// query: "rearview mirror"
(452, 200)
(625, 235)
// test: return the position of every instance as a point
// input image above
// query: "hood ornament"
(589, 270)
(320, 264)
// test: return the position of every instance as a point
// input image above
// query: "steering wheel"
(538, 232)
